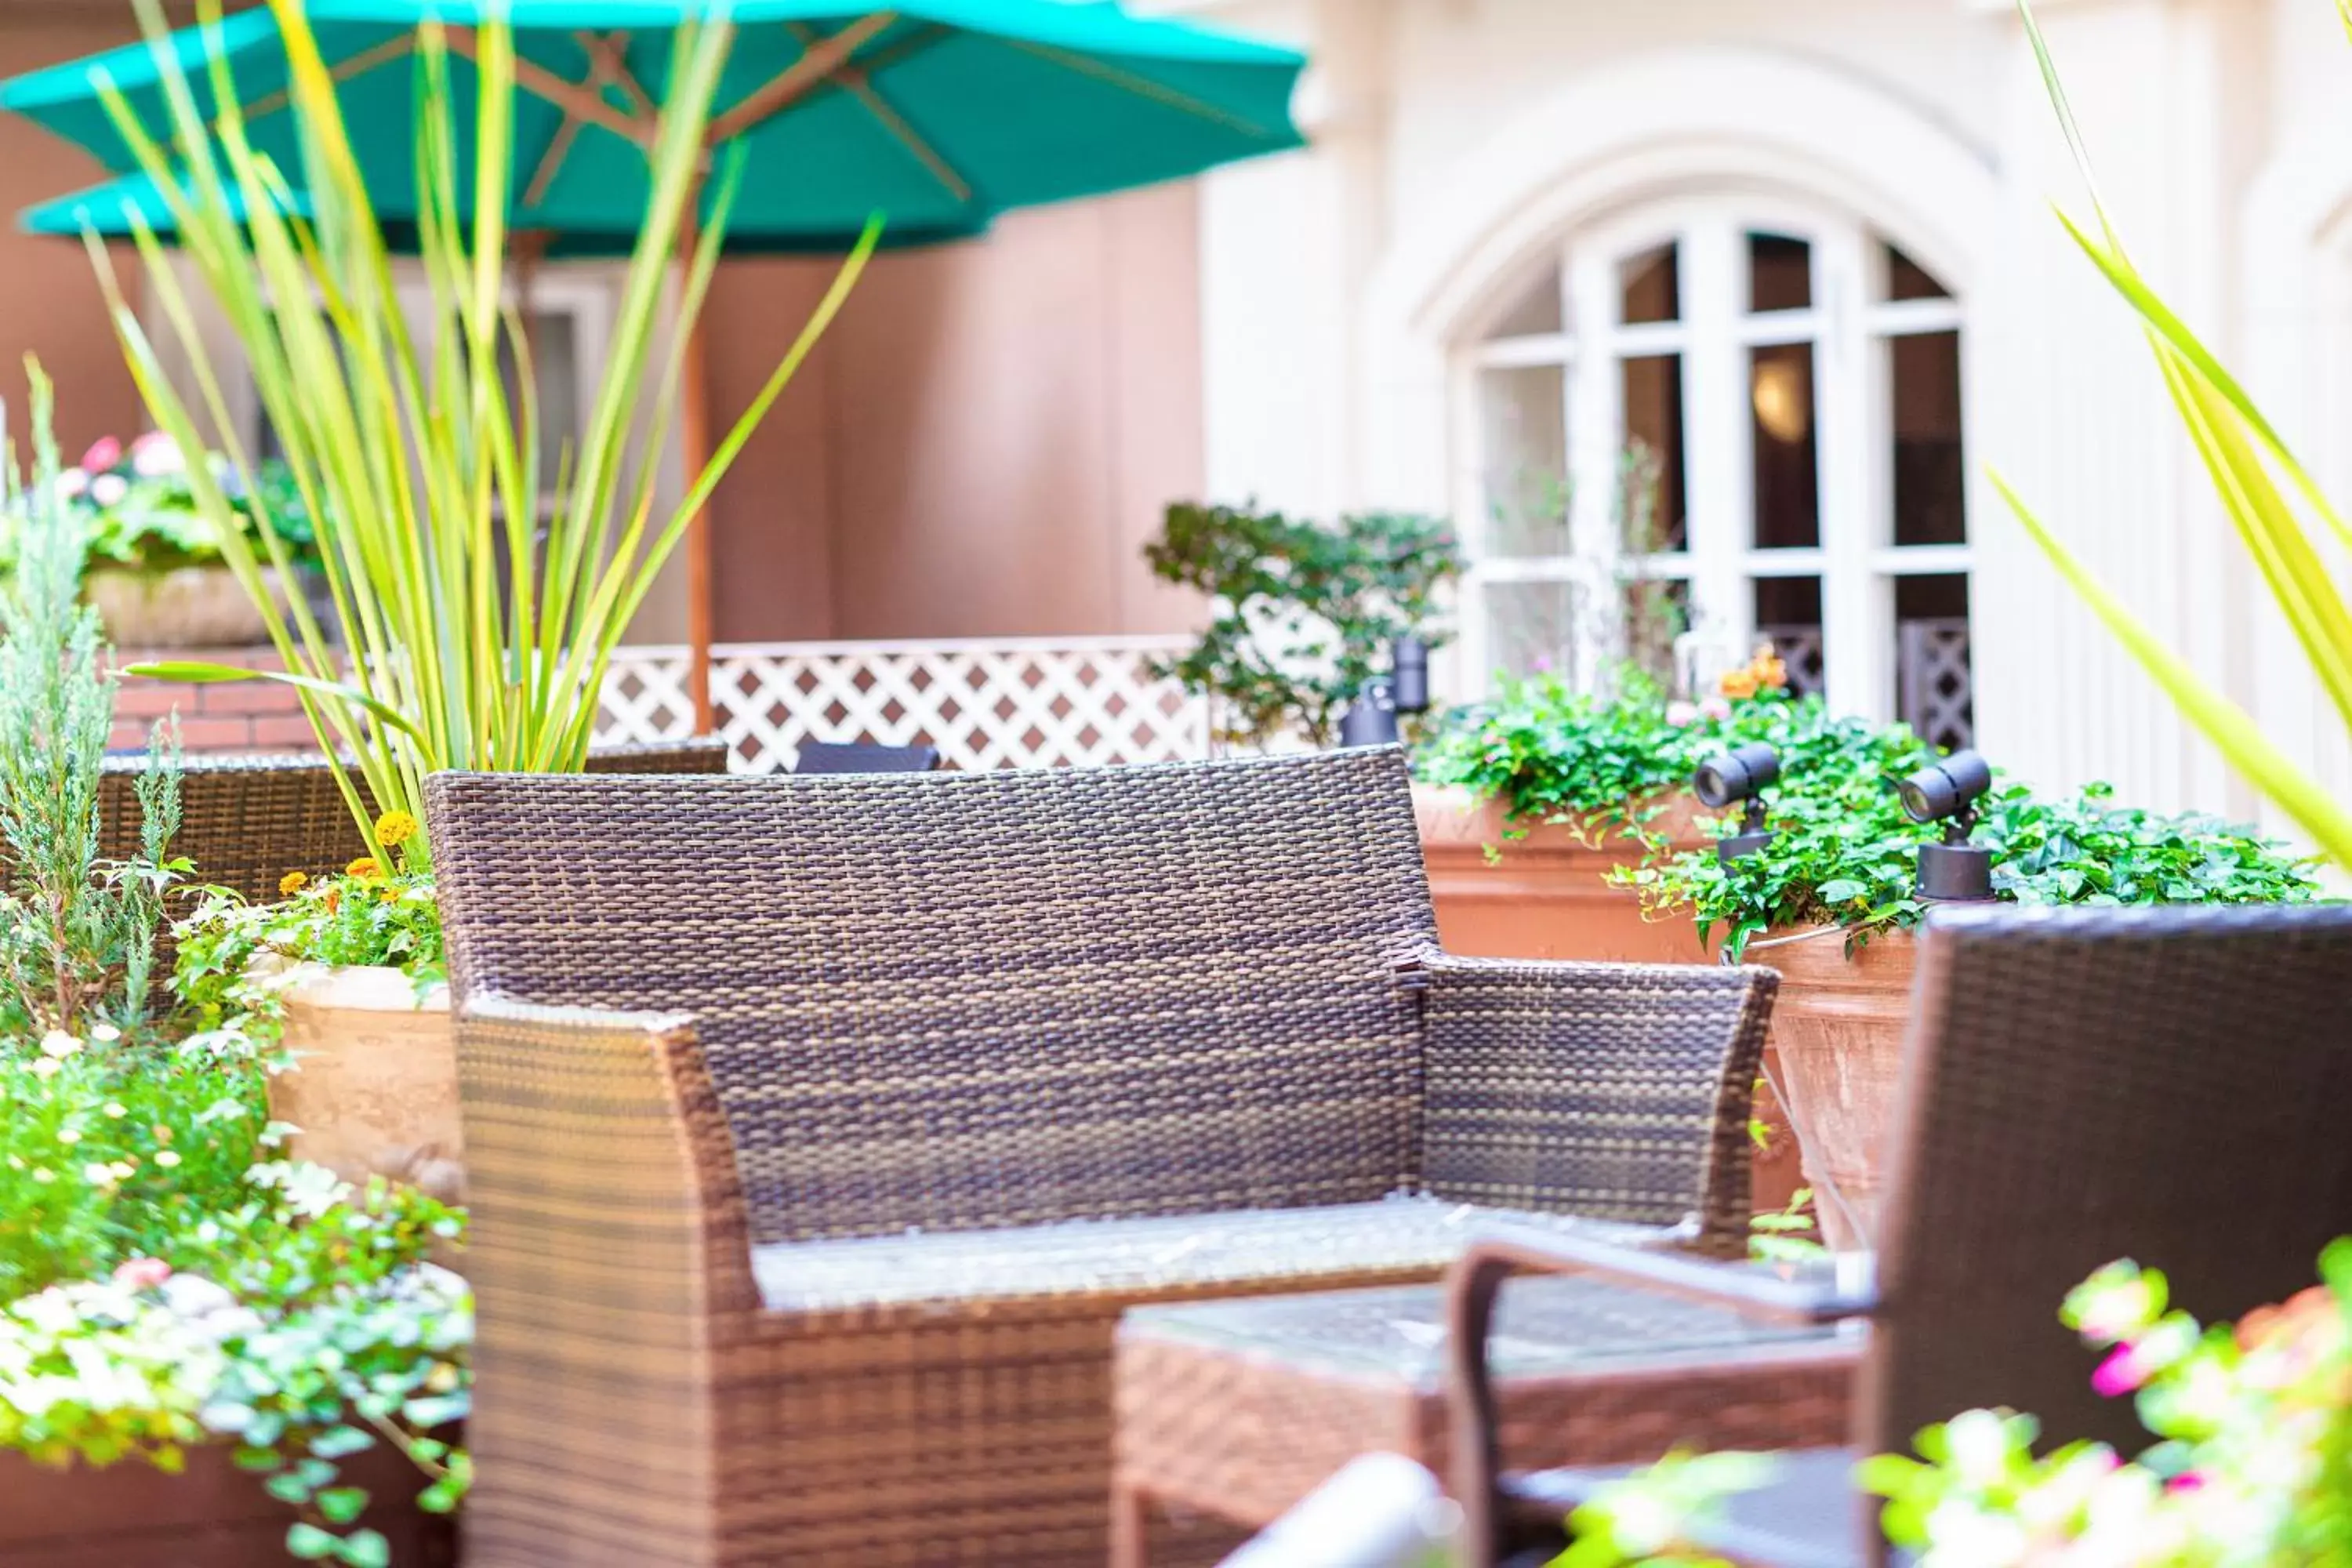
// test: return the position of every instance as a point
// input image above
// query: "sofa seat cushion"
(1163, 1253)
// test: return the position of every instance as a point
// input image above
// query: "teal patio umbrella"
(937, 114)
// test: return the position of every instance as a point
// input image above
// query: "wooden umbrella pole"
(694, 446)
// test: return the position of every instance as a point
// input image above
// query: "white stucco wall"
(1453, 136)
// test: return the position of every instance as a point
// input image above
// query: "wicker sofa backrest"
(246, 821)
(2166, 1085)
(955, 1001)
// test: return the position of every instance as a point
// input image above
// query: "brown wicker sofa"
(821, 1128)
(246, 820)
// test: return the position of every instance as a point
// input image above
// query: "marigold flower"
(1739, 683)
(394, 828)
(293, 883)
(364, 868)
(1770, 672)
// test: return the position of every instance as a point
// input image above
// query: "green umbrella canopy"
(937, 113)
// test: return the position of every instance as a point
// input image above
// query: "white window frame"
(1850, 326)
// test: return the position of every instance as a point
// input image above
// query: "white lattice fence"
(1010, 703)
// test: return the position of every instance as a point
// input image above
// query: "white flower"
(115, 1111)
(98, 1174)
(44, 1175)
(58, 1044)
(1979, 1446)
(105, 1033)
(72, 482)
(166, 1158)
(155, 453)
(107, 489)
(45, 1067)
(68, 1136)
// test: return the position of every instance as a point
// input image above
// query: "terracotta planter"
(212, 1515)
(374, 1088)
(186, 606)
(1547, 896)
(1837, 1033)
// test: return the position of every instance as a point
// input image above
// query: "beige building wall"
(980, 445)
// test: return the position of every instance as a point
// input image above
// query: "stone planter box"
(184, 607)
(212, 1515)
(374, 1088)
(1547, 896)
(1837, 1033)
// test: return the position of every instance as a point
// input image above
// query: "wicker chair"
(820, 1129)
(849, 757)
(246, 821)
(2166, 1085)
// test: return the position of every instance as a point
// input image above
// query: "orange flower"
(293, 883)
(334, 897)
(1739, 683)
(364, 868)
(394, 828)
(1770, 672)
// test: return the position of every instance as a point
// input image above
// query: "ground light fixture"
(1739, 777)
(1955, 871)
(1409, 675)
(1371, 718)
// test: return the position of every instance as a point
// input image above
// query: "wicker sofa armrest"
(1475, 1281)
(611, 1265)
(1620, 1091)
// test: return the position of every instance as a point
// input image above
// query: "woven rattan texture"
(2166, 1085)
(1213, 1417)
(247, 821)
(952, 1003)
(989, 999)
(1601, 1088)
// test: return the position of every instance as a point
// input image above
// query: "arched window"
(1737, 415)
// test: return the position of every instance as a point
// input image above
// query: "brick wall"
(239, 716)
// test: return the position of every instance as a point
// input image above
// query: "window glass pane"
(1930, 477)
(1523, 429)
(1536, 311)
(555, 366)
(1650, 491)
(1906, 279)
(1789, 616)
(1934, 690)
(1528, 628)
(1788, 482)
(1653, 612)
(1780, 273)
(1651, 285)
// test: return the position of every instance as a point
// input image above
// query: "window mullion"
(1596, 434)
(1854, 408)
(1719, 467)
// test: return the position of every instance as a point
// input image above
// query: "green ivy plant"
(1844, 855)
(1302, 614)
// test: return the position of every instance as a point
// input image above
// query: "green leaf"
(309, 1543)
(366, 1549)
(340, 1505)
(336, 1442)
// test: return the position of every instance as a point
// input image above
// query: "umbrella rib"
(608, 65)
(795, 83)
(565, 93)
(608, 60)
(859, 81)
(1142, 87)
(341, 70)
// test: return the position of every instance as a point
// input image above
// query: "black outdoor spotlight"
(1955, 871)
(1371, 718)
(1735, 777)
(1409, 675)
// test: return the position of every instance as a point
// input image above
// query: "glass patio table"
(1237, 1409)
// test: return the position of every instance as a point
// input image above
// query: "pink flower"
(2126, 1367)
(155, 453)
(1541, 664)
(142, 1273)
(72, 482)
(1715, 708)
(103, 454)
(107, 489)
(2186, 1481)
(1681, 715)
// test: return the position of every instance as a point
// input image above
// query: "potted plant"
(1303, 615)
(205, 1351)
(1528, 803)
(1830, 903)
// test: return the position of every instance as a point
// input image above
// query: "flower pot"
(1547, 895)
(1837, 1032)
(184, 607)
(374, 1084)
(211, 1515)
